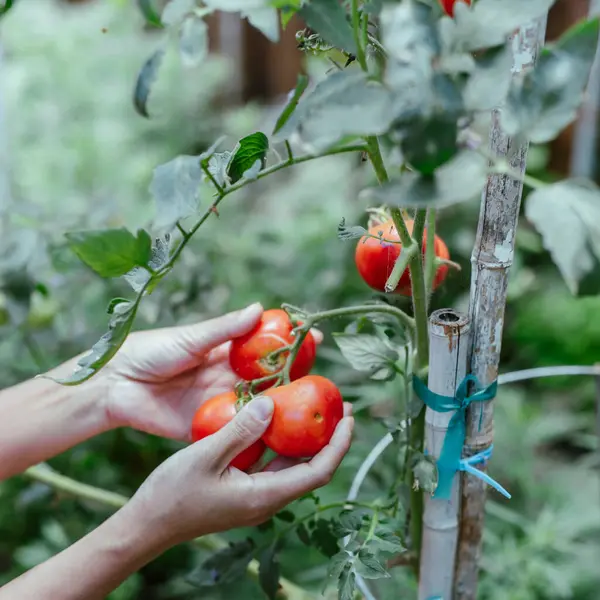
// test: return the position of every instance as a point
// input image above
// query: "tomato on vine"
(214, 414)
(306, 414)
(375, 258)
(448, 5)
(249, 354)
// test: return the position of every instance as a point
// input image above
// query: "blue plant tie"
(450, 460)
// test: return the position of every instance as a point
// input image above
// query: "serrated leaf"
(148, 9)
(303, 534)
(193, 41)
(286, 515)
(546, 100)
(268, 572)
(330, 20)
(344, 104)
(323, 538)
(248, 150)
(347, 584)
(567, 215)
(369, 567)
(368, 353)
(459, 180)
(350, 233)
(386, 541)
(176, 11)
(488, 22)
(488, 85)
(111, 252)
(337, 564)
(107, 346)
(225, 566)
(175, 187)
(292, 103)
(145, 80)
(351, 520)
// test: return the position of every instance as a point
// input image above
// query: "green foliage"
(146, 78)
(330, 19)
(248, 157)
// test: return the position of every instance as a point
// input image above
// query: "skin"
(155, 384)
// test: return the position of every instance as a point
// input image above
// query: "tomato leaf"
(546, 100)
(175, 187)
(347, 584)
(567, 215)
(330, 20)
(368, 353)
(193, 41)
(338, 563)
(351, 520)
(121, 320)
(268, 572)
(459, 180)
(145, 80)
(292, 103)
(248, 150)
(323, 539)
(111, 252)
(344, 104)
(8, 4)
(224, 566)
(350, 233)
(110, 309)
(147, 8)
(286, 515)
(425, 472)
(303, 534)
(368, 566)
(386, 541)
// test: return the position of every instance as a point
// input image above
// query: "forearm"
(94, 566)
(40, 419)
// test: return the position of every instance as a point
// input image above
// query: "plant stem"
(430, 266)
(356, 27)
(401, 264)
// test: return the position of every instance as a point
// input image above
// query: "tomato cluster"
(306, 411)
(375, 258)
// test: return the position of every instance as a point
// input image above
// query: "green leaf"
(147, 8)
(303, 534)
(225, 566)
(546, 100)
(351, 520)
(368, 353)
(8, 4)
(286, 515)
(344, 104)
(338, 563)
(266, 20)
(111, 252)
(567, 215)
(193, 41)
(369, 567)
(268, 572)
(175, 187)
(110, 309)
(488, 22)
(347, 584)
(425, 471)
(330, 20)
(247, 152)
(459, 180)
(292, 102)
(488, 86)
(176, 11)
(386, 541)
(145, 80)
(323, 539)
(350, 233)
(107, 346)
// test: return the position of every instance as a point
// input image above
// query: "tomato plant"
(377, 254)
(448, 5)
(262, 352)
(306, 414)
(214, 414)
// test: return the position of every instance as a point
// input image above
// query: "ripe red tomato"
(214, 414)
(375, 259)
(248, 353)
(448, 6)
(306, 414)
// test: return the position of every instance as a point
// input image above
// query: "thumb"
(240, 433)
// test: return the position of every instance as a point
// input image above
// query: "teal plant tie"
(450, 460)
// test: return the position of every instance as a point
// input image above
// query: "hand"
(157, 381)
(194, 492)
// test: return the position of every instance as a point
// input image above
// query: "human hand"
(194, 492)
(157, 381)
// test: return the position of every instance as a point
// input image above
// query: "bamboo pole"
(448, 348)
(491, 259)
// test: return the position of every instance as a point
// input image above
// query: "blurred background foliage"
(78, 156)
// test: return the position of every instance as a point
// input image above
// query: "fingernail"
(261, 408)
(251, 311)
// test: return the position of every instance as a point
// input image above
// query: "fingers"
(282, 487)
(347, 409)
(247, 427)
(200, 338)
(280, 463)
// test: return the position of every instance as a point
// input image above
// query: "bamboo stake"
(491, 259)
(448, 348)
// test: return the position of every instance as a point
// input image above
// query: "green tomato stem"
(430, 262)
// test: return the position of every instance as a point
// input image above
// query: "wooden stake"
(491, 259)
(449, 343)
